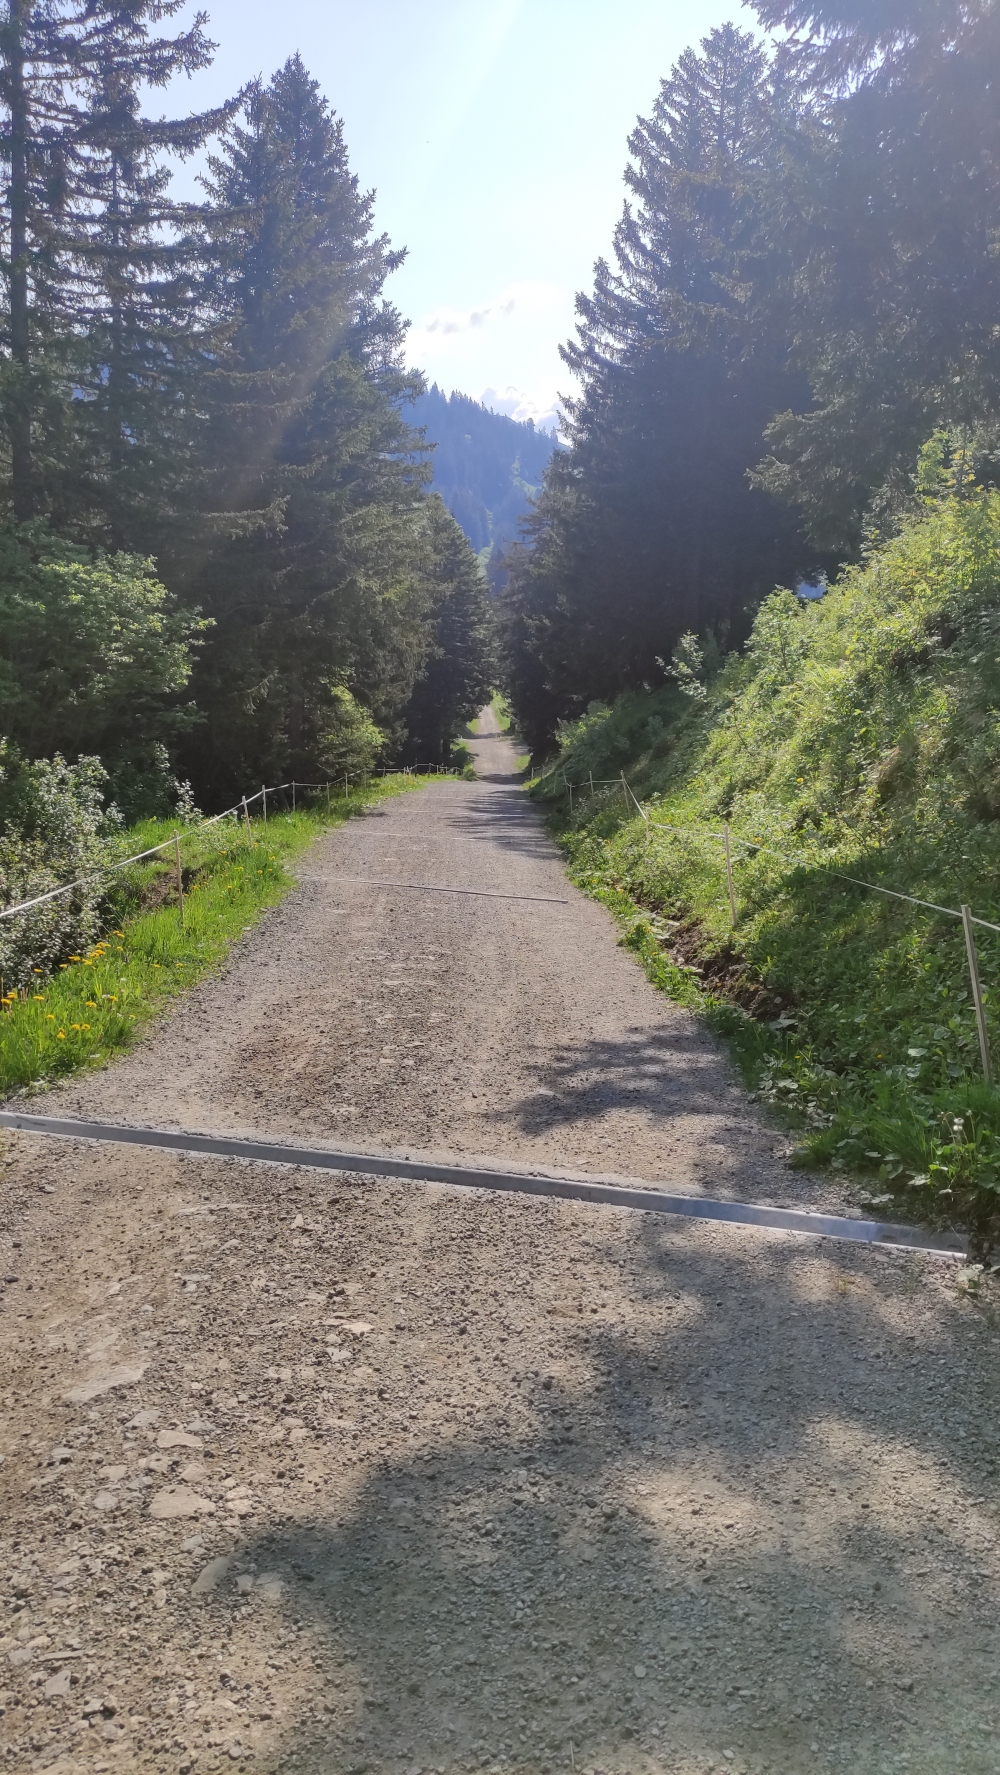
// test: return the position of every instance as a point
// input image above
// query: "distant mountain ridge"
(486, 467)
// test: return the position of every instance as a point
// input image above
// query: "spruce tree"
(648, 527)
(460, 670)
(893, 218)
(316, 579)
(94, 294)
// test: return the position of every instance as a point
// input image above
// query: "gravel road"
(338, 1475)
(445, 1023)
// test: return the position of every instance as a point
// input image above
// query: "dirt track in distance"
(333, 1474)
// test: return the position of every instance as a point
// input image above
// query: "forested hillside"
(222, 560)
(485, 466)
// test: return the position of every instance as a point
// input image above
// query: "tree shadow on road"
(663, 1074)
(501, 817)
(689, 1541)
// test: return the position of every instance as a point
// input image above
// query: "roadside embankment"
(855, 737)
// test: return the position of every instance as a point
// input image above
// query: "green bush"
(53, 829)
(94, 658)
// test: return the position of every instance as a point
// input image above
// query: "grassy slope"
(860, 734)
(94, 1005)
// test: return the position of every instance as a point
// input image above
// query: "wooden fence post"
(180, 877)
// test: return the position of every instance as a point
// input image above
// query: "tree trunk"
(20, 334)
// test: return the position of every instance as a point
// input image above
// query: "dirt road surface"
(333, 1475)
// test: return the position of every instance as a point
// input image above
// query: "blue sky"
(494, 132)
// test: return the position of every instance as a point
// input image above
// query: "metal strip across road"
(428, 887)
(648, 1199)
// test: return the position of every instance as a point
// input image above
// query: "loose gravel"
(343, 1475)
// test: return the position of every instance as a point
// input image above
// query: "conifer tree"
(648, 527)
(94, 294)
(316, 579)
(893, 217)
(460, 670)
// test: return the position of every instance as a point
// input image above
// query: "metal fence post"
(263, 801)
(293, 794)
(729, 872)
(977, 993)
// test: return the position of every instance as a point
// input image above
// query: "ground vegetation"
(855, 736)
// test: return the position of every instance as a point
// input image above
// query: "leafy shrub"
(349, 742)
(53, 829)
(94, 656)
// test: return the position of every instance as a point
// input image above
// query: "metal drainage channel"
(648, 1200)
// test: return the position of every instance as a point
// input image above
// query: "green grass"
(501, 709)
(860, 735)
(94, 1005)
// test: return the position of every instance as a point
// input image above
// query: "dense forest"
(232, 528)
(802, 289)
(221, 558)
(486, 467)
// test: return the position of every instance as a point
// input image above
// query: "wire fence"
(240, 810)
(966, 917)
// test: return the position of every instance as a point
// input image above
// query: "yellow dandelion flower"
(84, 1026)
(91, 1004)
(50, 1017)
(60, 1035)
(113, 997)
(75, 958)
(74, 1026)
(119, 933)
(39, 998)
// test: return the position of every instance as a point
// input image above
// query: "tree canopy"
(803, 290)
(219, 541)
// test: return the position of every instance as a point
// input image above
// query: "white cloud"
(529, 301)
(506, 345)
(544, 409)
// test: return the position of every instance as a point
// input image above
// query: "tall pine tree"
(317, 577)
(648, 527)
(95, 297)
(893, 218)
(460, 669)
